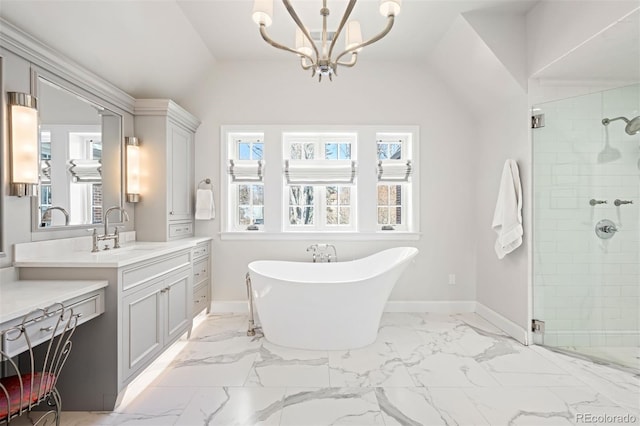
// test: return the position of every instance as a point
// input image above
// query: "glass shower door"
(586, 276)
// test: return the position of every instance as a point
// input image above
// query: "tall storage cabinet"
(166, 132)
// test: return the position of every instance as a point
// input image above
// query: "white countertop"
(17, 298)
(129, 253)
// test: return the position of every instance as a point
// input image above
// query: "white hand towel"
(507, 217)
(205, 207)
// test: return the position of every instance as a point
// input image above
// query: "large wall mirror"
(80, 157)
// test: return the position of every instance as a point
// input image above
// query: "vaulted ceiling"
(164, 48)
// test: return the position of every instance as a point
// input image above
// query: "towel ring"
(206, 181)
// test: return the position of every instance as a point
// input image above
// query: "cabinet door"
(180, 180)
(143, 331)
(179, 293)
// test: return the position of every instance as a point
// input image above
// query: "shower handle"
(606, 229)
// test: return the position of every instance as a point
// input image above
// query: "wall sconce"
(133, 169)
(23, 134)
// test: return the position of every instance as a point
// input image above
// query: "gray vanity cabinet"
(201, 278)
(155, 312)
(167, 136)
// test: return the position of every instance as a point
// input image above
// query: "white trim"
(505, 324)
(167, 107)
(17, 41)
(448, 307)
(230, 306)
(441, 307)
(320, 236)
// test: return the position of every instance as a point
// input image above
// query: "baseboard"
(505, 324)
(447, 307)
(230, 306)
(444, 307)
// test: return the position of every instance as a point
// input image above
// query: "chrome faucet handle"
(595, 202)
(94, 241)
(619, 202)
(116, 236)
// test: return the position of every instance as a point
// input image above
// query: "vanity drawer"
(177, 230)
(201, 250)
(41, 330)
(89, 308)
(200, 298)
(200, 270)
(149, 270)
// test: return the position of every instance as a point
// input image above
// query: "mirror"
(80, 158)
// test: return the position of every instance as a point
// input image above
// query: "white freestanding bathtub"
(327, 306)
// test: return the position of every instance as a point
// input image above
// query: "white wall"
(498, 105)
(380, 93)
(555, 28)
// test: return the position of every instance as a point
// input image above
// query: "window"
(394, 171)
(334, 180)
(246, 155)
(319, 181)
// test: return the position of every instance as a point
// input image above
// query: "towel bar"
(205, 181)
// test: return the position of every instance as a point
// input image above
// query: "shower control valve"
(605, 229)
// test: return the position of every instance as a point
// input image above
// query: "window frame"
(363, 199)
(319, 140)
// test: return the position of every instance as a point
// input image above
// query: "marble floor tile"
(156, 406)
(423, 369)
(447, 370)
(582, 401)
(331, 406)
(204, 364)
(374, 365)
(513, 364)
(280, 366)
(415, 406)
(234, 406)
(520, 406)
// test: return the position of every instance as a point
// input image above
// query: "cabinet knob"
(171, 213)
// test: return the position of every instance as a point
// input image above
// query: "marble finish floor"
(424, 369)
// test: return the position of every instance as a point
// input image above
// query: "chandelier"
(320, 59)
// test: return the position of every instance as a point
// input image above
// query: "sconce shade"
(133, 169)
(23, 134)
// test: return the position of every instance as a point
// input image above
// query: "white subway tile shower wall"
(587, 289)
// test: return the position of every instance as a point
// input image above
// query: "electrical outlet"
(452, 279)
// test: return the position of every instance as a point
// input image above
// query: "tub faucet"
(335, 253)
(314, 249)
(319, 252)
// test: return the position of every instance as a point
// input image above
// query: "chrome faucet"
(106, 236)
(46, 215)
(319, 252)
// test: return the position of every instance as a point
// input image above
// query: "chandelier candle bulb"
(302, 43)
(354, 36)
(263, 12)
(390, 7)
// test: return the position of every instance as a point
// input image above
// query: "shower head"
(632, 127)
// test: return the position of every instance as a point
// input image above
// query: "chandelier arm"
(265, 37)
(303, 65)
(300, 25)
(383, 33)
(344, 20)
(351, 63)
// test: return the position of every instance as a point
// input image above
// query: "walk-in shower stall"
(586, 242)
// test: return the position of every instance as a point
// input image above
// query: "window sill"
(333, 236)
